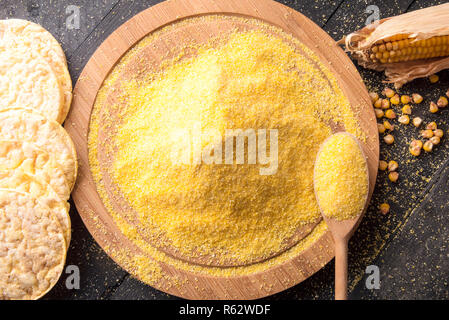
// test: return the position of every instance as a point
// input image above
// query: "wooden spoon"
(342, 230)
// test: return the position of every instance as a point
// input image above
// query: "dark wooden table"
(410, 246)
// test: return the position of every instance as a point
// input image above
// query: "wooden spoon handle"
(341, 269)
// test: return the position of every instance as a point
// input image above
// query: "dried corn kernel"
(438, 133)
(427, 134)
(393, 165)
(447, 93)
(407, 109)
(416, 143)
(384, 208)
(435, 140)
(404, 119)
(388, 92)
(434, 78)
(415, 151)
(417, 98)
(428, 146)
(415, 147)
(378, 104)
(393, 176)
(442, 102)
(405, 99)
(379, 113)
(433, 107)
(390, 114)
(389, 139)
(385, 104)
(388, 125)
(374, 96)
(417, 121)
(383, 165)
(432, 126)
(381, 128)
(395, 99)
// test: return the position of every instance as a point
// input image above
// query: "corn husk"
(419, 25)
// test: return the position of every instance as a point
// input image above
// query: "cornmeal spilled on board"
(341, 177)
(222, 212)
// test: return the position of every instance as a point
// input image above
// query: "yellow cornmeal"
(341, 178)
(249, 80)
(230, 211)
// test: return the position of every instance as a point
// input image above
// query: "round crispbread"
(26, 183)
(32, 247)
(25, 125)
(25, 156)
(28, 81)
(37, 39)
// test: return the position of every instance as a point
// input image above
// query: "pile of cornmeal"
(158, 150)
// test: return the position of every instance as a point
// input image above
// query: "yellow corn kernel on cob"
(404, 48)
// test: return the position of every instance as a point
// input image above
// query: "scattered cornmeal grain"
(341, 178)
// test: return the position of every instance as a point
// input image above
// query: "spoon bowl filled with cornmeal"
(341, 183)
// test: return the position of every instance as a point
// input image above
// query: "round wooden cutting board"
(198, 285)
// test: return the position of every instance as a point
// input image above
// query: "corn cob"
(402, 48)
(406, 47)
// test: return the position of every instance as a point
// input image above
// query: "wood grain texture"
(88, 201)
